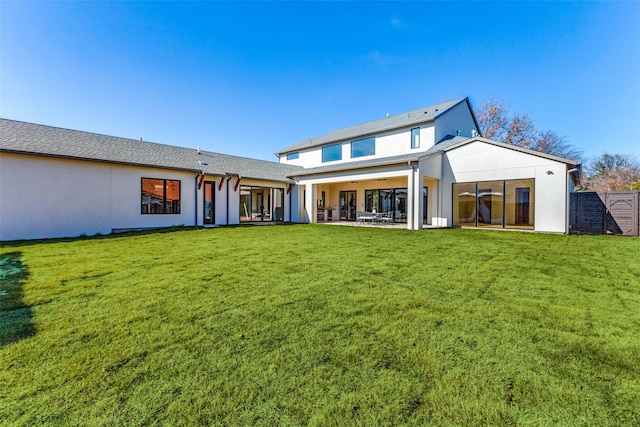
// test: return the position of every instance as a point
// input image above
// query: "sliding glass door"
(392, 200)
(400, 213)
(261, 204)
(348, 205)
(498, 204)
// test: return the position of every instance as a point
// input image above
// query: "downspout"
(228, 179)
(289, 188)
(196, 199)
(567, 225)
(290, 207)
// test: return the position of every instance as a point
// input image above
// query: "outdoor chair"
(387, 217)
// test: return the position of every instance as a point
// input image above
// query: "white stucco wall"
(39, 198)
(43, 197)
(479, 161)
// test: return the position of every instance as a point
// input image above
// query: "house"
(431, 167)
(427, 167)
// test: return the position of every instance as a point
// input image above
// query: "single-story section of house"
(427, 167)
(58, 183)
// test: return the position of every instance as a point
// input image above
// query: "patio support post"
(310, 202)
(418, 206)
(411, 196)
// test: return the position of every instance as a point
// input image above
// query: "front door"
(209, 202)
(348, 205)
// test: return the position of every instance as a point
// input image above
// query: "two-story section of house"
(430, 167)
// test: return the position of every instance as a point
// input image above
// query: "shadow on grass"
(15, 315)
(136, 232)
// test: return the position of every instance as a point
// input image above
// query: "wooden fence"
(605, 213)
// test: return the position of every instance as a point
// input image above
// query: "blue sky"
(250, 78)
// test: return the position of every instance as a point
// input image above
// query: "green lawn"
(321, 325)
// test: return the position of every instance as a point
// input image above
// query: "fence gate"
(605, 213)
(623, 213)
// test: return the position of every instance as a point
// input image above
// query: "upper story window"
(331, 153)
(293, 156)
(415, 138)
(363, 147)
(160, 196)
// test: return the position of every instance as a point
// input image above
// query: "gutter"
(348, 167)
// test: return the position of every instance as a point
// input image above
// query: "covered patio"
(395, 196)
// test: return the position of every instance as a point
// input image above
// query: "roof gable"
(457, 142)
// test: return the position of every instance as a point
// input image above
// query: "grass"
(321, 325)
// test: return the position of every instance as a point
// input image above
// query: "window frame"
(211, 185)
(165, 202)
(510, 205)
(358, 145)
(273, 197)
(326, 153)
(293, 156)
(415, 138)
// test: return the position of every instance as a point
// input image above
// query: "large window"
(498, 204)
(519, 203)
(490, 203)
(415, 138)
(331, 153)
(363, 147)
(464, 204)
(160, 196)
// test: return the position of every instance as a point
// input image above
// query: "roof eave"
(358, 167)
(515, 148)
(90, 159)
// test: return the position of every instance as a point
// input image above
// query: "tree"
(497, 123)
(613, 172)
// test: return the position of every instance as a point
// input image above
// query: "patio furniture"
(386, 217)
(363, 217)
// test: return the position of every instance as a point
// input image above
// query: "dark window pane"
(152, 196)
(293, 156)
(160, 196)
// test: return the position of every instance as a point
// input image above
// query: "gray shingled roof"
(420, 115)
(29, 138)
